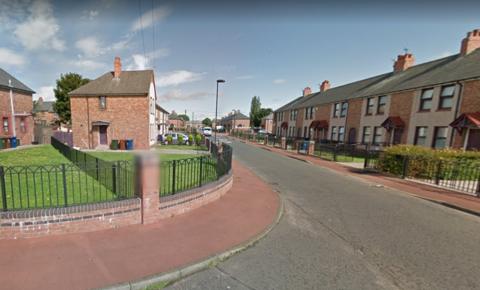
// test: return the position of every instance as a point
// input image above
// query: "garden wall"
(108, 215)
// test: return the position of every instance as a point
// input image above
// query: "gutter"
(457, 108)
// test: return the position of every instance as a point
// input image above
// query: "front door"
(352, 136)
(103, 134)
(473, 139)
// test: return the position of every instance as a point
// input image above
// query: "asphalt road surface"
(338, 232)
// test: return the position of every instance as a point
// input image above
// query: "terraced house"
(434, 104)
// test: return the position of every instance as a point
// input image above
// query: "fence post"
(174, 167)
(437, 174)
(4, 190)
(365, 160)
(147, 176)
(114, 178)
(335, 153)
(405, 166)
(200, 173)
(96, 166)
(64, 179)
(478, 187)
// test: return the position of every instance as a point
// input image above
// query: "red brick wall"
(84, 218)
(323, 112)
(47, 117)
(354, 116)
(22, 103)
(401, 105)
(128, 117)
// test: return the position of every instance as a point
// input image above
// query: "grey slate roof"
(43, 107)
(444, 70)
(129, 83)
(237, 115)
(16, 84)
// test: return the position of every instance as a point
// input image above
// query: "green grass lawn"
(340, 157)
(34, 177)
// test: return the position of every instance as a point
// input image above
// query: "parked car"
(207, 131)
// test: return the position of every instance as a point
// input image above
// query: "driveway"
(338, 232)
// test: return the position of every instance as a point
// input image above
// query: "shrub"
(169, 139)
(180, 139)
(198, 139)
(190, 139)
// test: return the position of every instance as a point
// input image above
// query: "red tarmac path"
(99, 259)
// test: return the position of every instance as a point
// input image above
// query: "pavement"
(102, 258)
(454, 199)
(339, 231)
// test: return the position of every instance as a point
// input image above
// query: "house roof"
(268, 117)
(44, 107)
(161, 109)
(16, 84)
(236, 116)
(467, 120)
(444, 70)
(129, 83)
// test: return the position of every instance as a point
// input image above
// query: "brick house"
(434, 104)
(118, 105)
(161, 119)
(267, 123)
(235, 120)
(44, 113)
(175, 122)
(20, 123)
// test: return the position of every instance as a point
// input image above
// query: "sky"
(270, 49)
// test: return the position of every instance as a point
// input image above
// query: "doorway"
(102, 131)
(473, 139)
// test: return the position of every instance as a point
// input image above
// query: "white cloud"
(244, 77)
(150, 17)
(141, 62)
(46, 92)
(178, 95)
(89, 46)
(9, 57)
(90, 14)
(87, 64)
(40, 29)
(178, 77)
(279, 81)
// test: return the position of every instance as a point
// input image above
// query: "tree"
(183, 117)
(207, 122)
(67, 83)
(255, 107)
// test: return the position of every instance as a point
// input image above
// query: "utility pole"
(12, 109)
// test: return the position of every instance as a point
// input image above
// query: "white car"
(207, 131)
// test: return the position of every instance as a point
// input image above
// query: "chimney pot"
(117, 67)
(470, 42)
(324, 86)
(307, 91)
(403, 62)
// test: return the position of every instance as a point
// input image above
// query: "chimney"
(470, 42)
(324, 86)
(117, 67)
(403, 62)
(307, 91)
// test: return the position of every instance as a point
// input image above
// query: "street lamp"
(216, 111)
(234, 112)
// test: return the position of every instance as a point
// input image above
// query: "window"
(446, 97)
(440, 138)
(102, 102)
(377, 135)
(382, 102)
(6, 126)
(367, 131)
(336, 110)
(341, 133)
(311, 113)
(420, 136)
(333, 135)
(23, 127)
(370, 105)
(426, 100)
(343, 112)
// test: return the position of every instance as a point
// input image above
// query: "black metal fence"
(457, 174)
(181, 175)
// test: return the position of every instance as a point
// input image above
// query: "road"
(338, 232)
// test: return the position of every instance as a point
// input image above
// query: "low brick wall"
(173, 205)
(75, 219)
(102, 216)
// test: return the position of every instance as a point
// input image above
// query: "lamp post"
(234, 112)
(216, 111)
